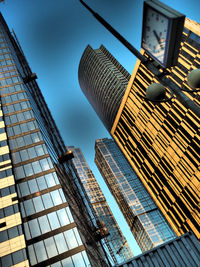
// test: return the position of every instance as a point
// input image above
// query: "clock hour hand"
(158, 39)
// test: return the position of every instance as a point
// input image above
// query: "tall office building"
(38, 219)
(103, 80)
(115, 243)
(145, 220)
(162, 142)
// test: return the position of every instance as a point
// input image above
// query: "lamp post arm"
(116, 34)
(184, 99)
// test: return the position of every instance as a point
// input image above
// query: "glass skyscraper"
(103, 80)
(115, 243)
(145, 220)
(41, 223)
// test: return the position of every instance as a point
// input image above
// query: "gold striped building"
(162, 141)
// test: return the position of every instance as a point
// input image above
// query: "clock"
(162, 31)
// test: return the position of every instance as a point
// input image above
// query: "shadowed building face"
(103, 81)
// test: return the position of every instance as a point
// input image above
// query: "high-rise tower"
(162, 142)
(145, 220)
(115, 242)
(41, 223)
(103, 80)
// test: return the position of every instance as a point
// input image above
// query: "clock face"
(155, 33)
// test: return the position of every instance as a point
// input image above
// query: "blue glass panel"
(34, 228)
(50, 247)
(61, 243)
(44, 224)
(78, 260)
(40, 251)
(71, 240)
(67, 262)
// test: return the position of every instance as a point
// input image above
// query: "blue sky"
(53, 35)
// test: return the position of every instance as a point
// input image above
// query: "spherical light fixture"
(155, 91)
(193, 79)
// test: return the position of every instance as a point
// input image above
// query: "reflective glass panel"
(28, 169)
(33, 186)
(38, 204)
(56, 197)
(71, 240)
(40, 251)
(27, 232)
(67, 262)
(77, 236)
(32, 255)
(63, 218)
(60, 243)
(44, 224)
(41, 183)
(53, 220)
(28, 206)
(78, 260)
(50, 180)
(34, 228)
(47, 201)
(50, 247)
(36, 167)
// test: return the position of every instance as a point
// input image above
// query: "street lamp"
(193, 79)
(154, 92)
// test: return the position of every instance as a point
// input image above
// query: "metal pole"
(185, 100)
(116, 34)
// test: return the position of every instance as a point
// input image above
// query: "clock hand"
(158, 39)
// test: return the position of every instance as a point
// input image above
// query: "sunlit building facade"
(41, 222)
(103, 80)
(162, 142)
(115, 243)
(145, 220)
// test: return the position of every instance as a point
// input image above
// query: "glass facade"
(161, 142)
(115, 244)
(37, 215)
(103, 81)
(146, 222)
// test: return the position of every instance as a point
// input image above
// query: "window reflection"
(86, 258)
(60, 243)
(28, 206)
(71, 240)
(77, 236)
(69, 214)
(33, 186)
(47, 201)
(44, 224)
(34, 228)
(40, 251)
(78, 260)
(53, 220)
(63, 218)
(41, 183)
(38, 204)
(32, 255)
(67, 262)
(56, 197)
(50, 247)
(56, 264)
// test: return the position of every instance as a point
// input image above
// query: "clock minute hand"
(158, 38)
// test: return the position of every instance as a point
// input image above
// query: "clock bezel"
(174, 31)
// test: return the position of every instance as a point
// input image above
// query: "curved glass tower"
(103, 80)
